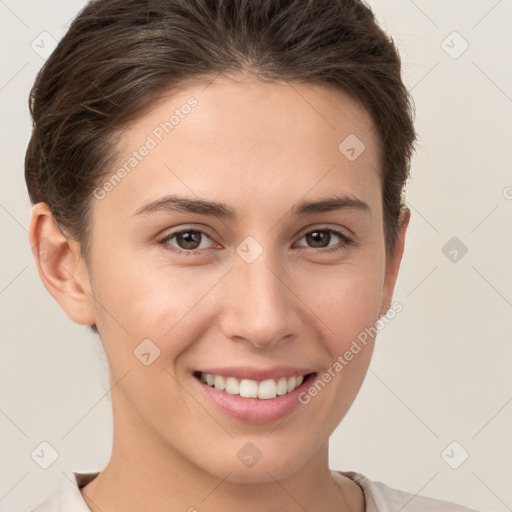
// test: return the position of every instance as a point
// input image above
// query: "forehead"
(243, 139)
(241, 107)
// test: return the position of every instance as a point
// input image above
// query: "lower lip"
(254, 410)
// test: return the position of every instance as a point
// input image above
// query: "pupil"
(189, 237)
(318, 236)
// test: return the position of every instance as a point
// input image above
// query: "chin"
(250, 466)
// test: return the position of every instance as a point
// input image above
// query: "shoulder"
(381, 498)
(67, 497)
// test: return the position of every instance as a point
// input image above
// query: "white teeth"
(218, 382)
(282, 386)
(267, 389)
(232, 386)
(248, 388)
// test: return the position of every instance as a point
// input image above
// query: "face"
(258, 287)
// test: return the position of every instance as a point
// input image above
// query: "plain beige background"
(439, 386)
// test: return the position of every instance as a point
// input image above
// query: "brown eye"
(187, 240)
(320, 239)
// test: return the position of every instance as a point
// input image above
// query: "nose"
(261, 306)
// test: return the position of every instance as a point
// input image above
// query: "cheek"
(156, 302)
(134, 290)
(346, 300)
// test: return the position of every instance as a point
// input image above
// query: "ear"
(60, 266)
(393, 264)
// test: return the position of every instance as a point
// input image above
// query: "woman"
(217, 190)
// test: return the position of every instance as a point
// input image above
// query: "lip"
(254, 410)
(259, 374)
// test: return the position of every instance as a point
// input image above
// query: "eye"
(190, 241)
(318, 237)
(187, 240)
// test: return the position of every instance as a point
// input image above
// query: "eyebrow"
(173, 203)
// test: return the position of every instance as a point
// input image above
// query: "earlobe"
(60, 266)
(393, 265)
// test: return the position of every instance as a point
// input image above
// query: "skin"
(260, 148)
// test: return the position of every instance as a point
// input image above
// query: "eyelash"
(192, 252)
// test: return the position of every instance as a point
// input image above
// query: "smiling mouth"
(247, 388)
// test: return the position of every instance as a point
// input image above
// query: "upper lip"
(247, 372)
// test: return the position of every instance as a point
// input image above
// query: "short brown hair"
(119, 56)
